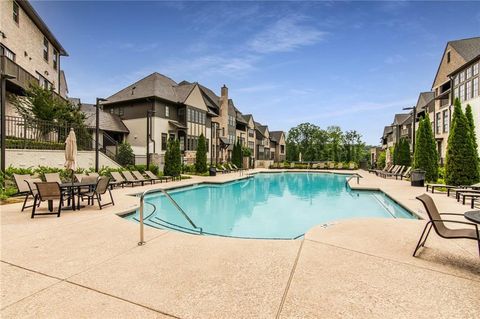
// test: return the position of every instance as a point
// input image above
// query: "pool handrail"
(142, 197)
(358, 176)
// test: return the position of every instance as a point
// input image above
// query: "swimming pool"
(267, 205)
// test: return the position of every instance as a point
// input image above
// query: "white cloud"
(287, 34)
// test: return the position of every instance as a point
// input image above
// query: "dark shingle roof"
(108, 121)
(400, 118)
(387, 130)
(276, 136)
(467, 48)
(241, 119)
(424, 99)
(261, 128)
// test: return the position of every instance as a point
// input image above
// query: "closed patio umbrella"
(71, 152)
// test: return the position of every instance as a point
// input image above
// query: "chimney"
(224, 92)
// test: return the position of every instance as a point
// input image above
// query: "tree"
(461, 166)
(335, 140)
(471, 124)
(426, 156)
(381, 159)
(201, 155)
(125, 155)
(402, 153)
(173, 158)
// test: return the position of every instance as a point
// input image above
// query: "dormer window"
(45, 49)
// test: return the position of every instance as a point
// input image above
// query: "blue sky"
(352, 64)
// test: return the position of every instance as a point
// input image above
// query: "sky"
(352, 64)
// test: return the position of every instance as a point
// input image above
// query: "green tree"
(336, 141)
(173, 158)
(461, 166)
(471, 124)
(381, 159)
(426, 156)
(201, 155)
(402, 153)
(394, 153)
(125, 155)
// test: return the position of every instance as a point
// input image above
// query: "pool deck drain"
(87, 264)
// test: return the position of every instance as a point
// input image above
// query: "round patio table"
(473, 215)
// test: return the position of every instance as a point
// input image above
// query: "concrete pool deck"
(87, 264)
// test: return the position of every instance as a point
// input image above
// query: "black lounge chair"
(132, 180)
(438, 225)
(140, 177)
(154, 178)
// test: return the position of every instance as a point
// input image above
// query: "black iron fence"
(22, 133)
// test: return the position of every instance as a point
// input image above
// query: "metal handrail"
(358, 176)
(142, 197)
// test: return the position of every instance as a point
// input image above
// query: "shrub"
(381, 160)
(426, 156)
(461, 166)
(125, 154)
(173, 159)
(201, 155)
(402, 153)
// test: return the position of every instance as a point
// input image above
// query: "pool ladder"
(142, 207)
(358, 176)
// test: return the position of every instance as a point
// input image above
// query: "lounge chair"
(441, 229)
(229, 166)
(239, 168)
(100, 189)
(153, 177)
(463, 195)
(473, 188)
(131, 180)
(433, 186)
(48, 191)
(389, 170)
(405, 174)
(225, 169)
(23, 188)
(321, 165)
(165, 178)
(140, 177)
(118, 179)
(395, 172)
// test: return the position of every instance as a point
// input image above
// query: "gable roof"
(387, 130)
(399, 119)
(108, 121)
(424, 99)
(261, 128)
(211, 98)
(276, 136)
(467, 48)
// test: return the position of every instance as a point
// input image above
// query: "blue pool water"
(270, 205)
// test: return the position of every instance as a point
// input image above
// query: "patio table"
(473, 215)
(75, 188)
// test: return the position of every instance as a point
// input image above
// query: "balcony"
(22, 79)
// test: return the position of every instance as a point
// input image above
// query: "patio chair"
(459, 189)
(153, 177)
(388, 168)
(405, 174)
(433, 186)
(221, 170)
(86, 189)
(166, 178)
(93, 174)
(231, 168)
(132, 180)
(118, 179)
(441, 229)
(140, 177)
(53, 177)
(225, 169)
(48, 191)
(239, 168)
(79, 177)
(391, 169)
(23, 188)
(100, 189)
(463, 195)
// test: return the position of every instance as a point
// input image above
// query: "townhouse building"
(455, 66)
(277, 146)
(29, 52)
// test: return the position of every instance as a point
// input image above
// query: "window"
(282, 149)
(462, 76)
(164, 141)
(167, 111)
(208, 145)
(55, 59)
(445, 121)
(6, 52)
(251, 145)
(475, 87)
(439, 122)
(455, 80)
(469, 73)
(468, 87)
(456, 93)
(45, 49)
(43, 82)
(461, 95)
(16, 12)
(448, 57)
(475, 68)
